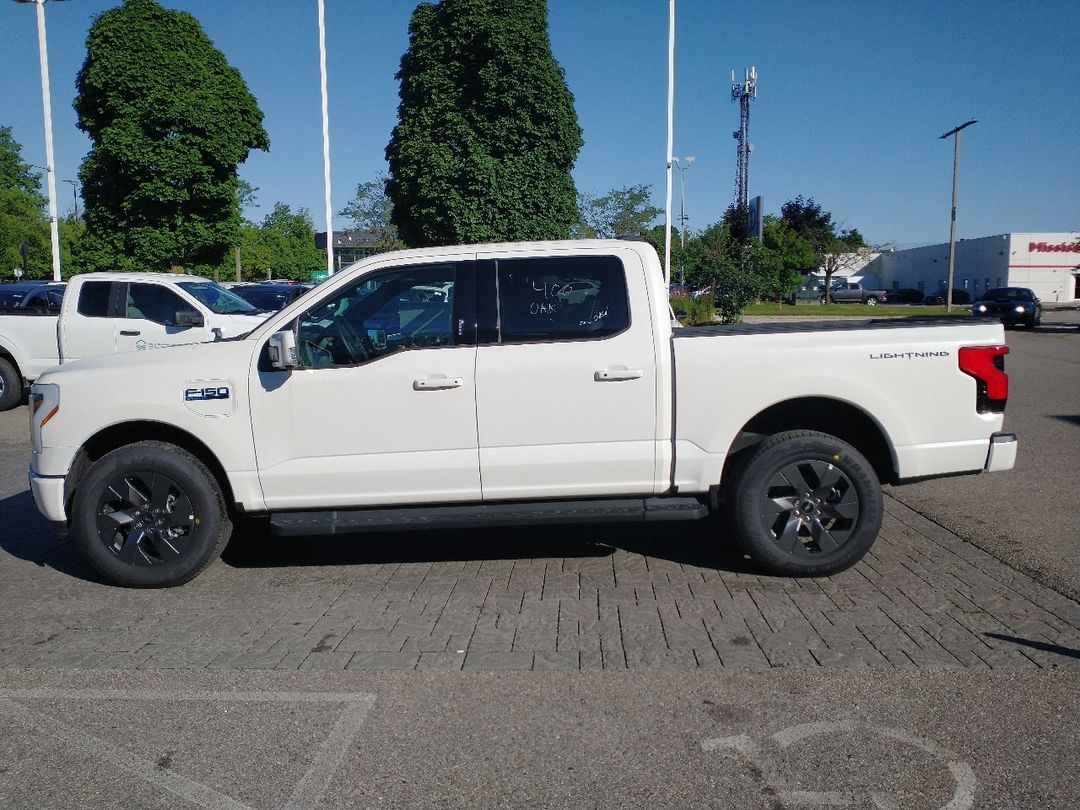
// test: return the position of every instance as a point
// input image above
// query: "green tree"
(487, 132)
(22, 218)
(622, 213)
(281, 246)
(370, 210)
(170, 121)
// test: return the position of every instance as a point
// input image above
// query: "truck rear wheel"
(11, 385)
(806, 504)
(150, 515)
(871, 301)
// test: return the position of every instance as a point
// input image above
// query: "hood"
(166, 365)
(234, 325)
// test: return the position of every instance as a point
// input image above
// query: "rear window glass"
(561, 298)
(94, 299)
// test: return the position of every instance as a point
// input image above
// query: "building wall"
(1045, 262)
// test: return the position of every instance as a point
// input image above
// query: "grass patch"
(859, 310)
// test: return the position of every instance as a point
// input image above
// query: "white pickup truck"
(104, 313)
(493, 384)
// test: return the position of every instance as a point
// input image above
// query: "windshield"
(217, 299)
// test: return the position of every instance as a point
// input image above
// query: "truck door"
(382, 409)
(148, 319)
(87, 327)
(567, 387)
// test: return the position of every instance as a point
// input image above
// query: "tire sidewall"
(780, 451)
(11, 383)
(190, 475)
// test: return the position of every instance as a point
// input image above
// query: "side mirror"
(188, 317)
(282, 350)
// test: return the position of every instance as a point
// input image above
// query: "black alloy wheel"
(806, 504)
(150, 515)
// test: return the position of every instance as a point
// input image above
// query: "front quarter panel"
(198, 389)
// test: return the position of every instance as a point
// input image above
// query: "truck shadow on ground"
(692, 544)
(701, 544)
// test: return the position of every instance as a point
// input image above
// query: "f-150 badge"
(209, 397)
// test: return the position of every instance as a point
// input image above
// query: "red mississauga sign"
(1046, 247)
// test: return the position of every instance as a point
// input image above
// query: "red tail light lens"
(987, 365)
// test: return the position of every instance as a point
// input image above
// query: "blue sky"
(852, 97)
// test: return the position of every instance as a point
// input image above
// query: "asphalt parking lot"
(579, 666)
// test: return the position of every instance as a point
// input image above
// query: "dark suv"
(1011, 305)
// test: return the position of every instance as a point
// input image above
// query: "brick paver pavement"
(541, 598)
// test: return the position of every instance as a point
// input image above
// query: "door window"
(561, 298)
(94, 299)
(154, 303)
(405, 308)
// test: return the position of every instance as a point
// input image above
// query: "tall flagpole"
(326, 143)
(670, 138)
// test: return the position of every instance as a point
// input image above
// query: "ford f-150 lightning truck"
(493, 384)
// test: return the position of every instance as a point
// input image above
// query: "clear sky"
(852, 97)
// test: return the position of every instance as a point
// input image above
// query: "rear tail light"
(987, 365)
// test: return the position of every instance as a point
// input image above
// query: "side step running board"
(351, 521)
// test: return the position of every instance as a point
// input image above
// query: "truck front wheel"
(11, 385)
(806, 504)
(150, 515)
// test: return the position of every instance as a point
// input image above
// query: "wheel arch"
(833, 416)
(122, 434)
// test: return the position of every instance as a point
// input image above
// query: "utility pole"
(683, 166)
(955, 132)
(742, 92)
(75, 195)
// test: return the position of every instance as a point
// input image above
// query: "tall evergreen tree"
(487, 132)
(170, 121)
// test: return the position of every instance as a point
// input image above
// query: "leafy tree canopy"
(487, 132)
(622, 213)
(370, 210)
(22, 218)
(281, 246)
(170, 121)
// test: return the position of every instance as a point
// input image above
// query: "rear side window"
(94, 299)
(561, 298)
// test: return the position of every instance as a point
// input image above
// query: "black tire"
(871, 301)
(806, 504)
(150, 515)
(11, 385)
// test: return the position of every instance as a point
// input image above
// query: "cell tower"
(742, 92)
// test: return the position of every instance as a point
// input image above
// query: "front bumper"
(1002, 454)
(49, 498)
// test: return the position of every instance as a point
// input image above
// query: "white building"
(1048, 263)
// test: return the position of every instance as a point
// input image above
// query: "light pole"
(326, 142)
(670, 139)
(50, 166)
(683, 165)
(75, 195)
(955, 132)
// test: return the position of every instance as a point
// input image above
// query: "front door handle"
(616, 374)
(437, 382)
(130, 332)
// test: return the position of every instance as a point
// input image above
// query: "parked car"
(906, 295)
(360, 408)
(853, 292)
(938, 298)
(269, 296)
(1011, 305)
(44, 296)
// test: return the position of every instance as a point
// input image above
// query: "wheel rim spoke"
(810, 507)
(145, 518)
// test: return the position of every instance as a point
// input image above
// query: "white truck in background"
(105, 313)
(544, 384)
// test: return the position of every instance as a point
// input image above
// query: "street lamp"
(50, 166)
(326, 142)
(955, 132)
(75, 195)
(683, 166)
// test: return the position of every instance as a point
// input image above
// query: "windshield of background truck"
(217, 299)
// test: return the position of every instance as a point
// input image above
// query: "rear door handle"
(130, 332)
(437, 382)
(619, 373)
